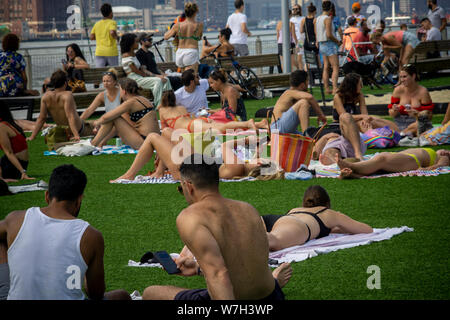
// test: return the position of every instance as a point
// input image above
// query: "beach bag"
(57, 135)
(291, 150)
(381, 138)
(201, 142)
(223, 116)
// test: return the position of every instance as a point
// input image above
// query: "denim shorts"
(328, 48)
(411, 39)
(287, 123)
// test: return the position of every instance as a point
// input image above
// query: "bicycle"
(243, 76)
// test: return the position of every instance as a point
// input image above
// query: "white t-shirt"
(297, 20)
(436, 16)
(433, 34)
(196, 100)
(235, 22)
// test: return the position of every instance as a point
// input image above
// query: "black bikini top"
(324, 230)
(136, 116)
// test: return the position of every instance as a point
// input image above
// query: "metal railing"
(41, 64)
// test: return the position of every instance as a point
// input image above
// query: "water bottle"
(118, 142)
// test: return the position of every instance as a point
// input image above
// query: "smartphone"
(167, 262)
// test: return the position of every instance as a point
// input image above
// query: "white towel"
(334, 242)
(82, 148)
(37, 186)
(330, 243)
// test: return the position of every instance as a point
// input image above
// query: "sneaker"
(409, 142)
(424, 141)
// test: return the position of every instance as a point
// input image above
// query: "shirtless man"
(411, 105)
(347, 145)
(228, 239)
(292, 108)
(61, 106)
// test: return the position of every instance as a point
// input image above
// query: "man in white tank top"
(44, 267)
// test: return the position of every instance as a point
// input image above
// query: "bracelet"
(24, 171)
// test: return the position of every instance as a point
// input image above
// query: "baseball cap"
(356, 5)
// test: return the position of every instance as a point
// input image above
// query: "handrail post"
(258, 50)
(169, 52)
(28, 69)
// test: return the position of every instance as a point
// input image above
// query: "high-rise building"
(16, 13)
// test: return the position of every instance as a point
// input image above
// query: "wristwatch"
(24, 171)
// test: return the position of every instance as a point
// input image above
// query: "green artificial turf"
(138, 218)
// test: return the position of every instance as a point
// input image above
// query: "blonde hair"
(271, 170)
(113, 73)
(190, 9)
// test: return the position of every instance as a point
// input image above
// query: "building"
(138, 4)
(162, 16)
(16, 14)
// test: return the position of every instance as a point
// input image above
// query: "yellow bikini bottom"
(431, 153)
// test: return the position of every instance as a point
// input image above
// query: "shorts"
(186, 57)
(4, 281)
(328, 48)
(203, 295)
(345, 147)
(403, 121)
(9, 171)
(280, 48)
(287, 123)
(240, 49)
(411, 39)
(102, 61)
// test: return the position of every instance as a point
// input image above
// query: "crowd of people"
(226, 241)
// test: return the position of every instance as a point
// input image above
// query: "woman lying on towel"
(133, 120)
(405, 160)
(171, 154)
(177, 117)
(312, 221)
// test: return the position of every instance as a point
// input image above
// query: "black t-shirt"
(147, 59)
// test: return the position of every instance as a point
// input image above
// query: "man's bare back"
(61, 106)
(236, 230)
(287, 100)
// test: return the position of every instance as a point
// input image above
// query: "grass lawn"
(138, 218)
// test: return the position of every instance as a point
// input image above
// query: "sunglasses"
(108, 73)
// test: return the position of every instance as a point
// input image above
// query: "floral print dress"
(11, 66)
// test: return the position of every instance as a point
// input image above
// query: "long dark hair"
(77, 51)
(316, 196)
(348, 87)
(168, 99)
(6, 115)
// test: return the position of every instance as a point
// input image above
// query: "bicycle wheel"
(250, 82)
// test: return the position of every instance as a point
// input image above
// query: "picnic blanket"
(332, 171)
(313, 248)
(74, 150)
(36, 186)
(167, 179)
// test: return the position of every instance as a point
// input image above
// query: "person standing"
(328, 47)
(437, 17)
(297, 19)
(237, 22)
(104, 33)
(356, 8)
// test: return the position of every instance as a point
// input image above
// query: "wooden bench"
(419, 59)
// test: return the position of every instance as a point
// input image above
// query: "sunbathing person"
(171, 156)
(110, 98)
(14, 164)
(314, 220)
(405, 160)
(292, 108)
(411, 104)
(139, 110)
(61, 105)
(348, 145)
(177, 117)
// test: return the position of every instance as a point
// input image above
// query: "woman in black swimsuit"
(134, 119)
(349, 97)
(312, 221)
